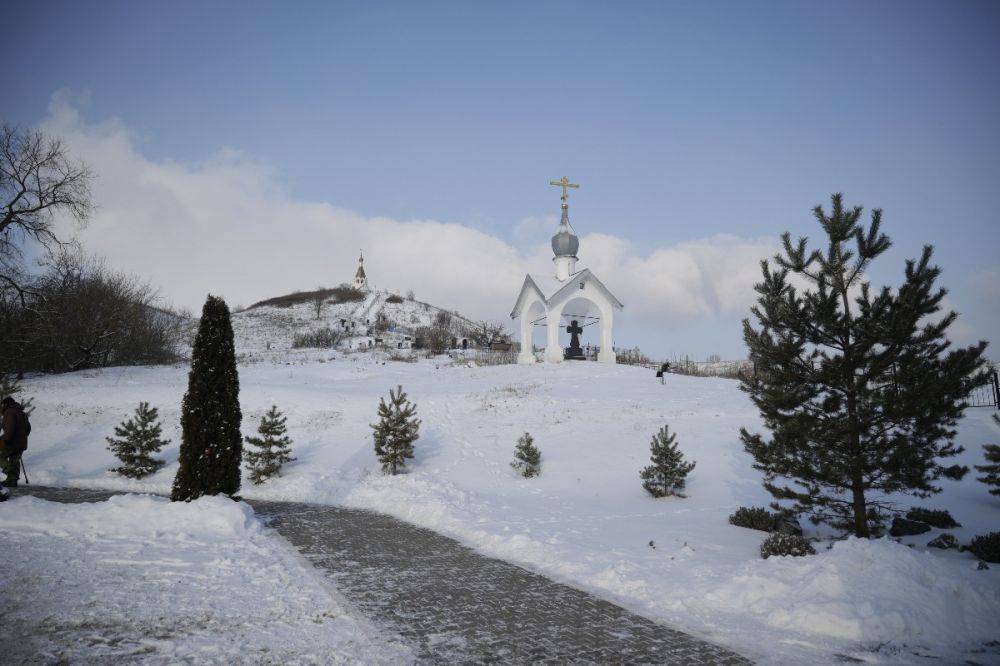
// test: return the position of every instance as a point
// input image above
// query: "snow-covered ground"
(140, 578)
(586, 519)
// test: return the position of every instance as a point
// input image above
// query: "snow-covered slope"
(265, 328)
(586, 519)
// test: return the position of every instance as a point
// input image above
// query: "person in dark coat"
(13, 440)
(663, 371)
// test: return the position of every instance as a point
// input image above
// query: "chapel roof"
(552, 289)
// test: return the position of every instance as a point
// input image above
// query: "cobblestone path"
(458, 606)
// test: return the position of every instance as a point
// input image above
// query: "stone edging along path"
(455, 605)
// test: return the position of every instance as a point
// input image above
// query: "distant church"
(360, 279)
(572, 297)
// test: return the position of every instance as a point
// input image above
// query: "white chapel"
(570, 299)
(360, 278)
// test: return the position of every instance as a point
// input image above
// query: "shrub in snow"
(135, 442)
(940, 519)
(986, 547)
(780, 543)
(269, 451)
(754, 518)
(667, 473)
(841, 380)
(991, 472)
(903, 527)
(211, 442)
(396, 431)
(943, 541)
(528, 459)
(322, 338)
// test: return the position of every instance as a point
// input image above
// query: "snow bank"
(866, 591)
(135, 516)
(139, 578)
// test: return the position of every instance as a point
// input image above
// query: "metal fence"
(987, 395)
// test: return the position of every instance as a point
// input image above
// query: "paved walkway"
(458, 606)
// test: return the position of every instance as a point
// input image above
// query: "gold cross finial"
(565, 185)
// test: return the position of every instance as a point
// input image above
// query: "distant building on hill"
(360, 278)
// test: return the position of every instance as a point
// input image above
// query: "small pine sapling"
(396, 431)
(137, 439)
(667, 474)
(528, 459)
(10, 386)
(270, 450)
(991, 472)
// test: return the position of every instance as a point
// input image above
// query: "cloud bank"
(228, 226)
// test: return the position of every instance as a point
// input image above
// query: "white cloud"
(227, 226)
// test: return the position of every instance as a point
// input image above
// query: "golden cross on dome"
(565, 185)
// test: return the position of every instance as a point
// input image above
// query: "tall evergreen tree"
(667, 474)
(527, 457)
(211, 443)
(396, 431)
(271, 450)
(991, 472)
(858, 388)
(136, 440)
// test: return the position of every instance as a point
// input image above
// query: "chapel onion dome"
(564, 242)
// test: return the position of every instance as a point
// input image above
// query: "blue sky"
(682, 121)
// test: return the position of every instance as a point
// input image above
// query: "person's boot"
(10, 482)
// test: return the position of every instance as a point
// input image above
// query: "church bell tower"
(360, 279)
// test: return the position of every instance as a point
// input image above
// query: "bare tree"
(37, 181)
(319, 300)
(486, 333)
(78, 314)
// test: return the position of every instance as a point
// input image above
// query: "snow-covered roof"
(550, 289)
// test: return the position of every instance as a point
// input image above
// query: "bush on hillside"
(341, 294)
(986, 547)
(754, 518)
(779, 544)
(940, 519)
(322, 338)
(394, 299)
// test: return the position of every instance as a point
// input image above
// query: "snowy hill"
(272, 324)
(586, 519)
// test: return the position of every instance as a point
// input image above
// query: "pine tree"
(273, 447)
(396, 431)
(10, 386)
(857, 386)
(668, 472)
(528, 459)
(137, 439)
(210, 413)
(992, 471)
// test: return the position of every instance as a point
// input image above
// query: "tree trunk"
(860, 512)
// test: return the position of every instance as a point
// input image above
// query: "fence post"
(996, 389)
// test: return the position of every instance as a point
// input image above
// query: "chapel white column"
(607, 353)
(553, 352)
(527, 354)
